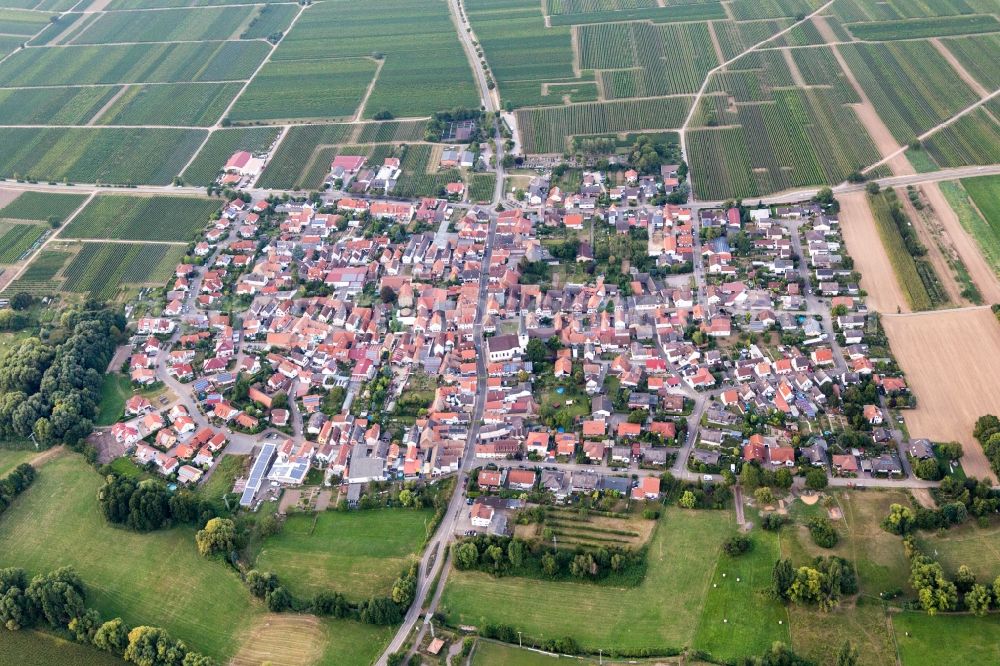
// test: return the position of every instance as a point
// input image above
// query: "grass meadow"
(358, 554)
(40, 648)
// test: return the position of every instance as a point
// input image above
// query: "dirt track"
(870, 259)
(928, 230)
(965, 245)
(952, 363)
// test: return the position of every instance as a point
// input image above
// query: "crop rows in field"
(819, 68)
(158, 218)
(133, 63)
(187, 104)
(545, 130)
(735, 38)
(9, 45)
(979, 56)
(392, 131)
(661, 59)
(15, 22)
(221, 146)
(165, 26)
(554, 7)
(296, 89)
(481, 187)
(42, 206)
(920, 28)
(17, 239)
(748, 10)
(272, 19)
(701, 11)
(804, 34)
(911, 85)
(39, 277)
(284, 170)
(318, 167)
(416, 181)
(114, 155)
(972, 139)
(156, 4)
(66, 28)
(517, 44)
(804, 138)
(100, 269)
(743, 85)
(52, 106)
(902, 261)
(424, 67)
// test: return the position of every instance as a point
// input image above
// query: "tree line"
(147, 505)
(51, 389)
(14, 484)
(58, 600)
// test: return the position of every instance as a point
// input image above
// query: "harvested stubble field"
(871, 260)
(952, 361)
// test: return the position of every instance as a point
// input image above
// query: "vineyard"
(699, 11)
(191, 104)
(39, 278)
(545, 130)
(160, 218)
(911, 85)
(221, 145)
(978, 56)
(9, 44)
(103, 155)
(272, 19)
(721, 159)
(819, 68)
(53, 106)
(920, 28)
(748, 10)
(416, 181)
(392, 131)
(284, 170)
(168, 25)
(16, 239)
(14, 22)
(972, 139)
(424, 67)
(100, 269)
(902, 261)
(481, 187)
(306, 89)
(133, 63)
(42, 206)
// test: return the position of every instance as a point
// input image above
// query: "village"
(563, 343)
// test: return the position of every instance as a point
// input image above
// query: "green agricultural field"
(9, 45)
(16, 239)
(392, 131)
(295, 151)
(270, 20)
(416, 181)
(295, 89)
(220, 147)
(100, 269)
(983, 220)
(577, 13)
(53, 106)
(545, 130)
(11, 458)
(169, 25)
(117, 155)
(358, 554)
(39, 648)
(481, 186)
(15, 22)
(976, 53)
(902, 261)
(424, 67)
(134, 63)
(39, 278)
(972, 139)
(192, 104)
(819, 636)
(930, 641)
(911, 85)
(930, 27)
(748, 10)
(42, 206)
(158, 218)
(155, 578)
(966, 544)
(664, 612)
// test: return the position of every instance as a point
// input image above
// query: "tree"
(978, 599)
(750, 476)
(964, 578)
(466, 555)
(583, 565)
(112, 636)
(536, 351)
(152, 646)
(278, 600)
(219, 536)
(737, 544)
(950, 450)
(22, 300)
(872, 188)
(816, 479)
(927, 469)
(195, 659)
(782, 576)
(57, 597)
(824, 196)
(783, 478)
(260, 584)
(688, 500)
(763, 496)
(85, 625)
(550, 566)
(822, 532)
(934, 591)
(848, 655)
(515, 553)
(331, 603)
(279, 400)
(387, 294)
(899, 521)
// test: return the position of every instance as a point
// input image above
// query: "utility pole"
(519, 639)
